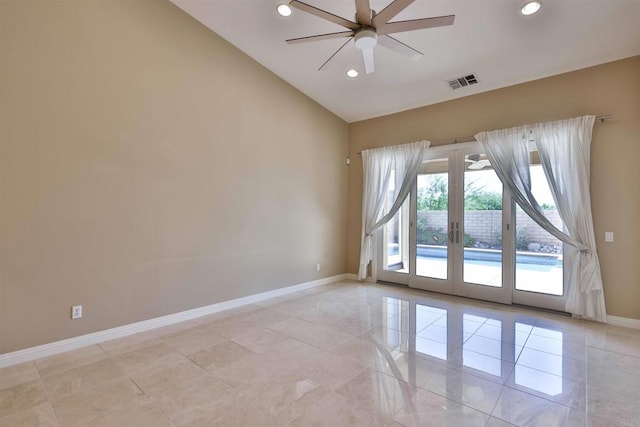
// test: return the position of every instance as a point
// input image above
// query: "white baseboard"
(625, 322)
(56, 347)
(351, 276)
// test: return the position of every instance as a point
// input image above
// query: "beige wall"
(612, 88)
(148, 167)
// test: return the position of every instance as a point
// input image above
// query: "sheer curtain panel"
(388, 174)
(564, 149)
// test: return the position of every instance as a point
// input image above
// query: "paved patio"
(529, 277)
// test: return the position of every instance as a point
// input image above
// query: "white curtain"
(564, 149)
(387, 172)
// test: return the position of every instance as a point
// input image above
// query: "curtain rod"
(462, 139)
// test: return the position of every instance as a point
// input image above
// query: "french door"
(459, 233)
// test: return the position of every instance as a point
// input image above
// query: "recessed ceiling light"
(530, 7)
(352, 73)
(284, 9)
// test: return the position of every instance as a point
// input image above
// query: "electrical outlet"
(608, 236)
(317, 267)
(76, 312)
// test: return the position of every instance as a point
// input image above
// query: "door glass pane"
(432, 219)
(396, 239)
(482, 225)
(539, 255)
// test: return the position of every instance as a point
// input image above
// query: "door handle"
(457, 232)
(451, 233)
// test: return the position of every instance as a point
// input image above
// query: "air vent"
(458, 83)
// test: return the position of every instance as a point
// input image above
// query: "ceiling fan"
(476, 162)
(371, 29)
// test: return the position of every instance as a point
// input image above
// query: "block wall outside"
(485, 226)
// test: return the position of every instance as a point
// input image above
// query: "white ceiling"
(489, 37)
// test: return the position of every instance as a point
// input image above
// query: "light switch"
(608, 236)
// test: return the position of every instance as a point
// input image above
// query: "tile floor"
(344, 354)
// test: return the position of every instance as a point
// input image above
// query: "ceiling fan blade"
(367, 56)
(321, 37)
(363, 12)
(334, 54)
(480, 164)
(476, 166)
(397, 46)
(390, 11)
(324, 14)
(415, 24)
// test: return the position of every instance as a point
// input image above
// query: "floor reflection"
(547, 375)
(431, 331)
(492, 346)
(397, 321)
(537, 380)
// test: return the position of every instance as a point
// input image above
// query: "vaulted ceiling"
(490, 38)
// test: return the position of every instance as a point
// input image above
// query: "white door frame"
(447, 285)
(454, 284)
(502, 294)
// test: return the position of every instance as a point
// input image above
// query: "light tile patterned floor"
(345, 354)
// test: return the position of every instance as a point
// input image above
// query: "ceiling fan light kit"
(371, 29)
(366, 38)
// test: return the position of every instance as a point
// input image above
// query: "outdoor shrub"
(522, 239)
(436, 236)
(431, 236)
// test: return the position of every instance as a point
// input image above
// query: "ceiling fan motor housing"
(364, 29)
(366, 38)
